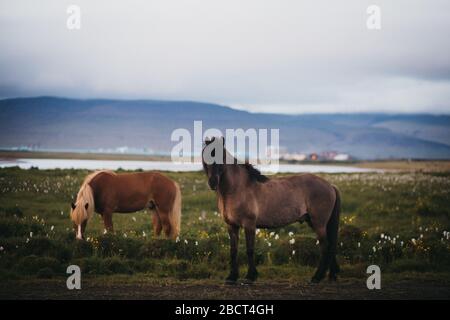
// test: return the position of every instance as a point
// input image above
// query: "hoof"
(230, 282)
(314, 281)
(247, 282)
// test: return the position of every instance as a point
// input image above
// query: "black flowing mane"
(255, 174)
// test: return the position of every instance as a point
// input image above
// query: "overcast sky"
(258, 55)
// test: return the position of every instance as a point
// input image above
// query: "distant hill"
(60, 123)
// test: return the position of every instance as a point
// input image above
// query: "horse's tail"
(333, 223)
(175, 214)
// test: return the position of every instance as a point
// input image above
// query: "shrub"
(416, 265)
(92, 265)
(350, 234)
(10, 227)
(12, 212)
(307, 253)
(32, 264)
(45, 273)
(282, 253)
(199, 271)
(352, 246)
(83, 249)
(157, 248)
(42, 246)
(117, 265)
(107, 245)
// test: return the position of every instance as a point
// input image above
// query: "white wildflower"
(292, 241)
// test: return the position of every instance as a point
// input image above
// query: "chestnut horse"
(106, 192)
(249, 200)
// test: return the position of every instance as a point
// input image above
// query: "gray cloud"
(272, 56)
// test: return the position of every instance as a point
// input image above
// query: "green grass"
(37, 241)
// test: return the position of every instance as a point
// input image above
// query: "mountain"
(68, 124)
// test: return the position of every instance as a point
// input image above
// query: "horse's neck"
(235, 180)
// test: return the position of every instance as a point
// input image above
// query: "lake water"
(160, 165)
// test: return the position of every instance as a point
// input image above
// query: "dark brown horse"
(106, 192)
(247, 199)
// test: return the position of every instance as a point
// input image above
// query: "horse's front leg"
(233, 231)
(252, 274)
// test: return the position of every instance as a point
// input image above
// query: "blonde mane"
(85, 196)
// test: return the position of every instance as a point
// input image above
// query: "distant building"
(328, 155)
(341, 157)
(293, 157)
(313, 157)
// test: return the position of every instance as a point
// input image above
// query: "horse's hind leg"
(332, 248)
(165, 222)
(324, 256)
(157, 227)
(334, 267)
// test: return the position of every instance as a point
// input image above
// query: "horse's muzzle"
(213, 182)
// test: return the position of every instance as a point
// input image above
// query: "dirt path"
(104, 289)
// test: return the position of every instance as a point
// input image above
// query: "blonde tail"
(175, 214)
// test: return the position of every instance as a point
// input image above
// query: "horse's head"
(79, 215)
(213, 156)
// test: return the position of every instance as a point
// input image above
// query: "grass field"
(397, 220)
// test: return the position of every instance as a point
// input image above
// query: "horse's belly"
(132, 203)
(278, 217)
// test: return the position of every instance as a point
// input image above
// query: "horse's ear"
(72, 205)
(86, 206)
(208, 140)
